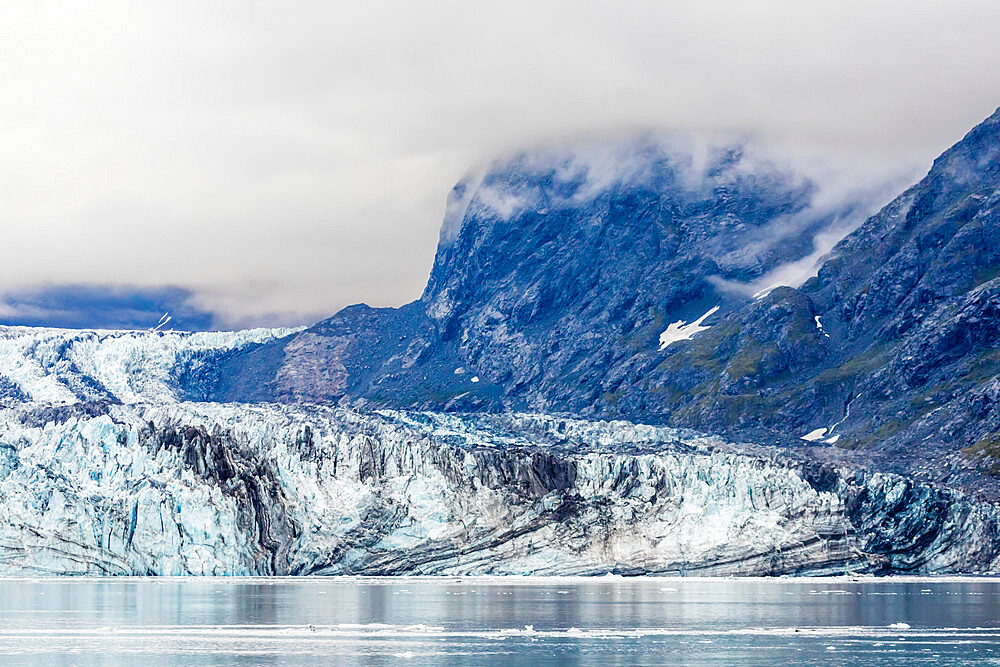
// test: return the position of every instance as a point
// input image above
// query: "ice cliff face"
(189, 488)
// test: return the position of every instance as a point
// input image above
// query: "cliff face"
(210, 489)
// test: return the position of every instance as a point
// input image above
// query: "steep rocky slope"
(892, 348)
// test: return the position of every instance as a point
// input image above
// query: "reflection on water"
(606, 621)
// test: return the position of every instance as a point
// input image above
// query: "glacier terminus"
(106, 470)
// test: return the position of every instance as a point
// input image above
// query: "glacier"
(65, 366)
(105, 469)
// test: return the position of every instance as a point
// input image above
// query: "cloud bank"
(104, 307)
(282, 161)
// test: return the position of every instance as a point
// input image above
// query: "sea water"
(484, 621)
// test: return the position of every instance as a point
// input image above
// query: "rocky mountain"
(556, 273)
(891, 349)
(651, 282)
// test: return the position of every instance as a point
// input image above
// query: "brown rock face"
(313, 370)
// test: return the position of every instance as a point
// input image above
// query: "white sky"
(287, 159)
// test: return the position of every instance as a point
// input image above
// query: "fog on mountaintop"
(280, 163)
(575, 175)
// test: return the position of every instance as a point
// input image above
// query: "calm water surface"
(606, 621)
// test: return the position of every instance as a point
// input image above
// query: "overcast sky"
(286, 159)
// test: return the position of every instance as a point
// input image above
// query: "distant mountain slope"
(903, 360)
(570, 284)
(557, 271)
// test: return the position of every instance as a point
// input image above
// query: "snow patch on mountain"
(813, 436)
(681, 330)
